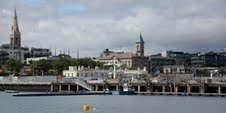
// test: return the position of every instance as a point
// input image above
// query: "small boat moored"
(127, 90)
(12, 91)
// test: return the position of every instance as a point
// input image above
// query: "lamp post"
(149, 65)
(114, 64)
(33, 69)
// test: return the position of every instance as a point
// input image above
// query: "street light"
(149, 65)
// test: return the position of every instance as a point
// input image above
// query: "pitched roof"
(119, 55)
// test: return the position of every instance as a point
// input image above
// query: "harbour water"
(112, 104)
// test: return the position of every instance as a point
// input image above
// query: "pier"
(140, 88)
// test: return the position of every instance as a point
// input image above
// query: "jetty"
(192, 87)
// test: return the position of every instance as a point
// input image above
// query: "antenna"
(49, 51)
(64, 51)
(77, 53)
(55, 50)
(120, 48)
(68, 50)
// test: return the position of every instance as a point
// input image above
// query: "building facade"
(127, 59)
(85, 73)
(181, 58)
(158, 62)
(210, 59)
(4, 56)
(13, 51)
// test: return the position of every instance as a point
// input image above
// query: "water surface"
(112, 104)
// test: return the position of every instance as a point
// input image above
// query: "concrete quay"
(197, 89)
(161, 87)
(61, 94)
(180, 94)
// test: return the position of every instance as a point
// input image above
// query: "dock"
(77, 86)
(60, 94)
(180, 94)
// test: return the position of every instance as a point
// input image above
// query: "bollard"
(85, 107)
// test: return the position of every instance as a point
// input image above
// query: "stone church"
(14, 49)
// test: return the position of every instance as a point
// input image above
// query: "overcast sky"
(93, 25)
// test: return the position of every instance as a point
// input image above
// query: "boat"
(12, 91)
(127, 90)
(122, 92)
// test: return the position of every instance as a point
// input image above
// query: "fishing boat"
(127, 90)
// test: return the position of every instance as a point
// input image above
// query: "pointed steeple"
(140, 47)
(15, 32)
(15, 22)
(141, 38)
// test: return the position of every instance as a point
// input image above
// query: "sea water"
(112, 104)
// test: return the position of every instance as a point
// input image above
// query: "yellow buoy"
(85, 107)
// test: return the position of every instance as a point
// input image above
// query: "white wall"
(35, 59)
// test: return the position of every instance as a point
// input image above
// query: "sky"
(94, 25)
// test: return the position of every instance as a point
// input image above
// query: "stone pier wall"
(36, 88)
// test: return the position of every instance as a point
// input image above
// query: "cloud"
(92, 26)
(72, 8)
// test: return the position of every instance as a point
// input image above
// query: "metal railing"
(83, 84)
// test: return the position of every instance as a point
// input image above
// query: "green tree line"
(43, 66)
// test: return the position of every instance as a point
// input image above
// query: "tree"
(86, 63)
(42, 66)
(100, 64)
(123, 66)
(13, 65)
(61, 64)
(2, 72)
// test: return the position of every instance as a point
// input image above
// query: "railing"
(28, 79)
(83, 84)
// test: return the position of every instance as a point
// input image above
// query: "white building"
(81, 72)
(89, 74)
(28, 60)
(174, 69)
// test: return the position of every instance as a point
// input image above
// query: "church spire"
(15, 21)
(15, 32)
(140, 47)
(141, 38)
